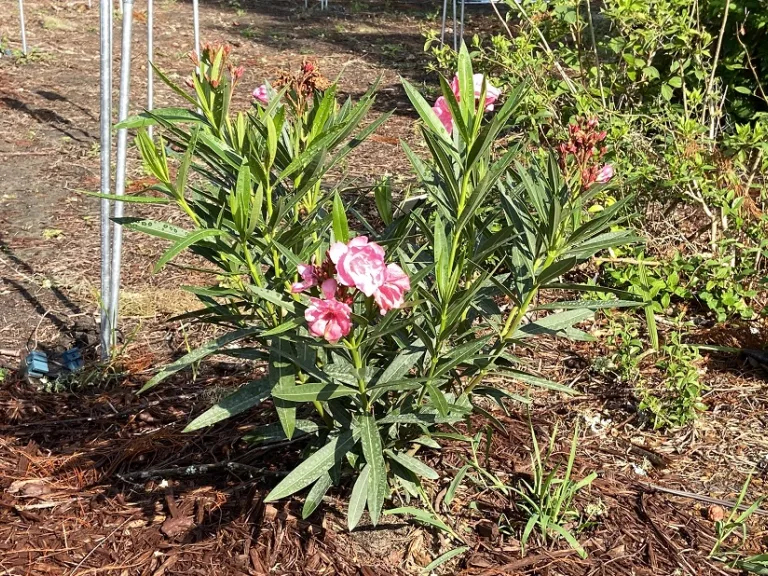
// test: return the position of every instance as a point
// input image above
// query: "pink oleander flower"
(390, 295)
(443, 113)
(491, 92)
(308, 278)
(261, 94)
(329, 319)
(605, 174)
(359, 263)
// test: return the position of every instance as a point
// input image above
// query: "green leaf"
(537, 381)
(273, 297)
(413, 464)
(553, 324)
(455, 483)
(443, 558)
(188, 240)
(314, 466)
(312, 392)
(420, 515)
(358, 498)
(315, 495)
(383, 197)
(174, 115)
(250, 395)
(153, 228)
(373, 453)
(282, 376)
(438, 398)
(210, 347)
(424, 110)
(340, 224)
(400, 366)
(274, 432)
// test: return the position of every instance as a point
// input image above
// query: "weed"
(680, 402)
(547, 500)
(735, 522)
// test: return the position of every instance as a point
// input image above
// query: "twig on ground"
(196, 470)
(653, 488)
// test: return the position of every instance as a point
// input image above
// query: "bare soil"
(101, 481)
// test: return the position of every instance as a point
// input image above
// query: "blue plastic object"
(36, 364)
(72, 360)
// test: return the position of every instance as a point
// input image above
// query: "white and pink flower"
(359, 263)
(391, 294)
(329, 319)
(605, 175)
(261, 94)
(308, 278)
(492, 93)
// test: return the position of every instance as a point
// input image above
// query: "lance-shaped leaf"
(316, 493)
(210, 347)
(358, 498)
(282, 376)
(314, 466)
(313, 392)
(373, 453)
(250, 395)
(413, 464)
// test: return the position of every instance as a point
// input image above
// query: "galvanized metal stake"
(455, 46)
(23, 28)
(105, 120)
(122, 145)
(442, 28)
(150, 56)
(196, 24)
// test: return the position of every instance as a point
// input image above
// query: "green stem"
(510, 326)
(358, 362)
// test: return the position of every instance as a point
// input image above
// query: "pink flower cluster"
(261, 94)
(443, 111)
(356, 265)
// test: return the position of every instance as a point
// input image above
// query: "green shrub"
(677, 94)
(365, 375)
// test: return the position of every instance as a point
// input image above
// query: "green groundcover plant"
(378, 340)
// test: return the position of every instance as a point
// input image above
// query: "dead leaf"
(172, 527)
(715, 513)
(29, 488)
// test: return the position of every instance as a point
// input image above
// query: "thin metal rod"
(23, 28)
(150, 56)
(105, 120)
(461, 24)
(196, 25)
(111, 58)
(122, 145)
(455, 28)
(442, 28)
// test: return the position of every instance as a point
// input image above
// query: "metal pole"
(461, 24)
(442, 28)
(150, 56)
(455, 45)
(105, 120)
(122, 144)
(23, 28)
(196, 24)
(111, 59)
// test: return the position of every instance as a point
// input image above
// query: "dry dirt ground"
(91, 480)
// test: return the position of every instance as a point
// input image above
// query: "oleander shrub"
(379, 339)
